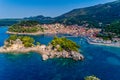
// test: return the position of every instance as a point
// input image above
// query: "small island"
(57, 48)
(26, 28)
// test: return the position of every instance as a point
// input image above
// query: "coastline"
(17, 46)
(37, 33)
(103, 44)
(44, 51)
(40, 33)
(16, 33)
(88, 39)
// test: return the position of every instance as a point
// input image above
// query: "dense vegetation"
(64, 44)
(28, 23)
(26, 26)
(102, 13)
(113, 28)
(26, 40)
(105, 36)
(41, 19)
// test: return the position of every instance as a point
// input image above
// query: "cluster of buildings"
(72, 30)
(76, 30)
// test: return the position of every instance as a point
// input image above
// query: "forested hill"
(41, 19)
(95, 16)
(105, 13)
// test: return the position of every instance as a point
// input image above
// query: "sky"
(52, 8)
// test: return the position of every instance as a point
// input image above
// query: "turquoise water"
(104, 62)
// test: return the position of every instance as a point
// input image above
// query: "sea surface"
(101, 61)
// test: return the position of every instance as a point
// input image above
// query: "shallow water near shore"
(101, 61)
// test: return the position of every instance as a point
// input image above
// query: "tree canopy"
(64, 44)
(113, 28)
(26, 26)
(26, 40)
(28, 23)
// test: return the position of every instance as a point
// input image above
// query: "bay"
(101, 61)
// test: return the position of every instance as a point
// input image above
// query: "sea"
(101, 61)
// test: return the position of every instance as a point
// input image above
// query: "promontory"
(57, 48)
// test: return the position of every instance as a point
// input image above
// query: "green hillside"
(94, 15)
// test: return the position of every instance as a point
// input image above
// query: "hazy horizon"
(53, 8)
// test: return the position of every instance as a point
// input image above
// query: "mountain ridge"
(95, 16)
(102, 13)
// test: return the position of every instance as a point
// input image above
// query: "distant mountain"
(94, 16)
(8, 22)
(41, 19)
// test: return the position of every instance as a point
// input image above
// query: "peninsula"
(26, 27)
(109, 36)
(93, 35)
(34, 28)
(57, 48)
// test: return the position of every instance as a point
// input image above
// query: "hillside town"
(89, 33)
(73, 30)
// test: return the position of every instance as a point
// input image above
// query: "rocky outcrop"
(53, 53)
(64, 54)
(45, 51)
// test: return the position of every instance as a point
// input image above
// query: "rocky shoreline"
(45, 51)
(34, 34)
(16, 33)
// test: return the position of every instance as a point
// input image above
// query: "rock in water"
(45, 57)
